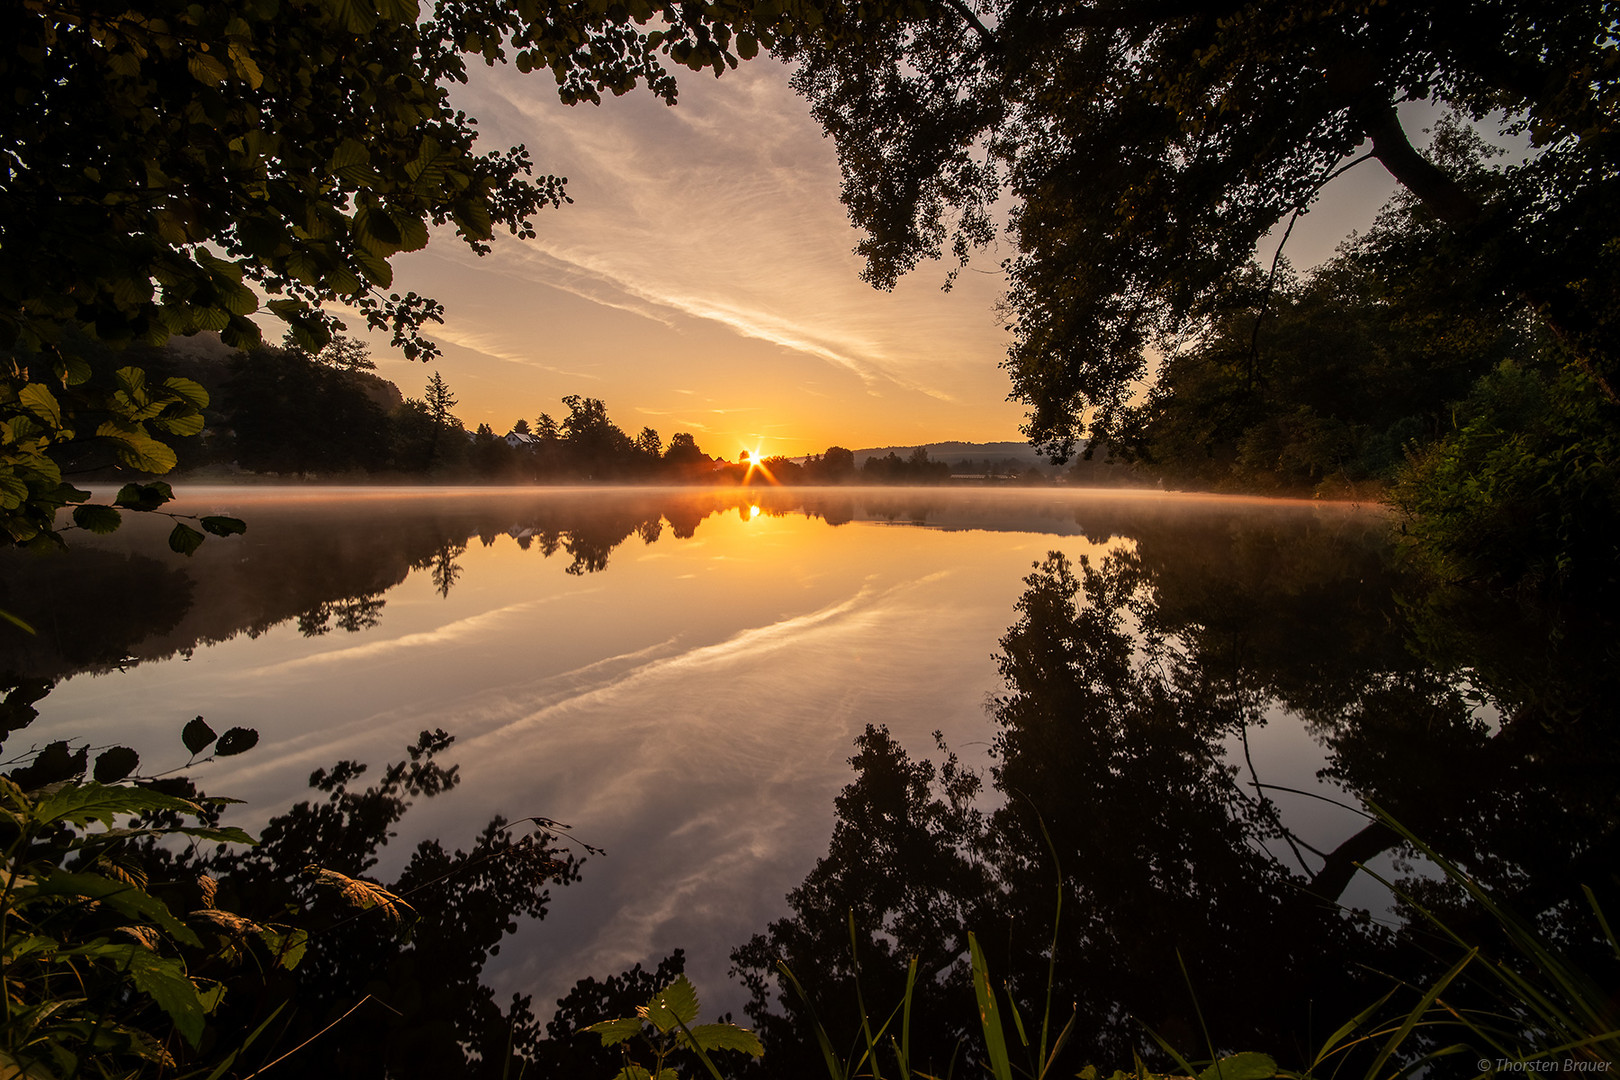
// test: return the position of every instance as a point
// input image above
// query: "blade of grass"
(1018, 1019)
(1418, 1013)
(7, 616)
(262, 1069)
(1568, 983)
(995, 1042)
(860, 1002)
(1198, 1011)
(692, 1044)
(1521, 989)
(1142, 1070)
(829, 1055)
(905, 1021)
(1057, 1046)
(1051, 956)
(230, 1059)
(1349, 1026)
(1608, 933)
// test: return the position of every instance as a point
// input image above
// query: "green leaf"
(413, 233)
(6, 616)
(75, 370)
(616, 1031)
(237, 299)
(182, 425)
(192, 393)
(1245, 1066)
(672, 1006)
(230, 834)
(97, 519)
(206, 68)
(377, 231)
(374, 267)
(21, 946)
(236, 740)
(184, 539)
(350, 155)
(288, 949)
(26, 1069)
(38, 400)
(132, 380)
(116, 763)
(121, 896)
(747, 46)
(83, 803)
(210, 318)
(211, 997)
(165, 982)
(725, 1037)
(355, 16)
(246, 69)
(197, 735)
(223, 526)
(135, 448)
(144, 496)
(472, 217)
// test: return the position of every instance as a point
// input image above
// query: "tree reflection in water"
(1132, 686)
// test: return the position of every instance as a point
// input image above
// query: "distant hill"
(206, 359)
(996, 453)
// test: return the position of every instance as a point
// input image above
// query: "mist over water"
(681, 676)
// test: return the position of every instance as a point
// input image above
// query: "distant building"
(517, 440)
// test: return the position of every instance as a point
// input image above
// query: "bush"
(1523, 492)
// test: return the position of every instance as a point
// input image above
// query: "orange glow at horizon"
(776, 340)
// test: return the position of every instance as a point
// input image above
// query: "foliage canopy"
(164, 165)
(1148, 145)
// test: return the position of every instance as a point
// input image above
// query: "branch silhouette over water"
(1131, 686)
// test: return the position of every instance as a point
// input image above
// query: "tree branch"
(1433, 186)
(1340, 867)
(967, 16)
(1137, 16)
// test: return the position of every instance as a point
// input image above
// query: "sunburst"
(756, 465)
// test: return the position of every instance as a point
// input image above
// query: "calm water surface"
(681, 676)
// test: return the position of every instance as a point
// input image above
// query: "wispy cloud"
(662, 222)
(493, 345)
(705, 253)
(472, 626)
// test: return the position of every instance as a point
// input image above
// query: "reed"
(1532, 1011)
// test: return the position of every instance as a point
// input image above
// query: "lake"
(1190, 696)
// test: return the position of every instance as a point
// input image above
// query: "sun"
(755, 464)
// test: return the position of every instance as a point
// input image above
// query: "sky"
(703, 281)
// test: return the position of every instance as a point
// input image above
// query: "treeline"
(285, 412)
(837, 466)
(289, 413)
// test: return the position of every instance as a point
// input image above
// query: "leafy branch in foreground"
(667, 1022)
(100, 968)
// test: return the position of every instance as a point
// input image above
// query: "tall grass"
(1530, 1012)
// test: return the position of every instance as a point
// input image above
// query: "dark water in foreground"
(1194, 696)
